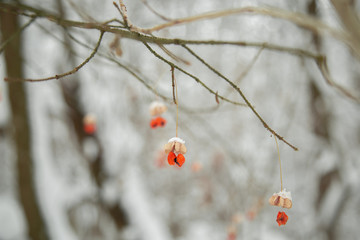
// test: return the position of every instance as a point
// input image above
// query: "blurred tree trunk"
(21, 131)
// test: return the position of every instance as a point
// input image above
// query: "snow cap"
(284, 194)
(155, 104)
(176, 139)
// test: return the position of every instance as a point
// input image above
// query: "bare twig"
(126, 67)
(10, 79)
(114, 20)
(242, 96)
(21, 10)
(80, 11)
(278, 152)
(151, 39)
(217, 98)
(175, 98)
(299, 19)
(192, 76)
(246, 70)
(322, 64)
(172, 55)
(310, 22)
(350, 19)
(121, 13)
(249, 66)
(173, 84)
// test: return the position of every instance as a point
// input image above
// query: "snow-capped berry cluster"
(175, 148)
(89, 124)
(281, 199)
(156, 109)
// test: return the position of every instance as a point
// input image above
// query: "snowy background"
(231, 166)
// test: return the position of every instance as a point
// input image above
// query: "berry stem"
(277, 147)
(175, 97)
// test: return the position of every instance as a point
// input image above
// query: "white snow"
(176, 139)
(156, 104)
(284, 194)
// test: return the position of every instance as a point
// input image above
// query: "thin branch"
(299, 19)
(242, 96)
(173, 84)
(278, 152)
(121, 13)
(246, 70)
(10, 79)
(152, 39)
(175, 98)
(249, 66)
(172, 55)
(350, 19)
(7, 41)
(192, 76)
(322, 65)
(310, 23)
(147, 38)
(80, 11)
(114, 20)
(127, 68)
(134, 72)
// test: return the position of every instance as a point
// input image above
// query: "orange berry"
(153, 123)
(161, 121)
(171, 158)
(282, 218)
(89, 128)
(180, 160)
(89, 124)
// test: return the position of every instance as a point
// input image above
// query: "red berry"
(153, 123)
(180, 160)
(171, 158)
(89, 124)
(89, 128)
(282, 218)
(161, 121)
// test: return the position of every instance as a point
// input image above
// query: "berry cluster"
(156, 109)
(175, 148)
(157, 122)
(281, 199)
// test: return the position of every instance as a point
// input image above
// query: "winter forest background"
(296, 63)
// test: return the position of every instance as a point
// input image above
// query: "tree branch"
(233, 85)
(11, 79)
(297, 18)
(192, 76)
